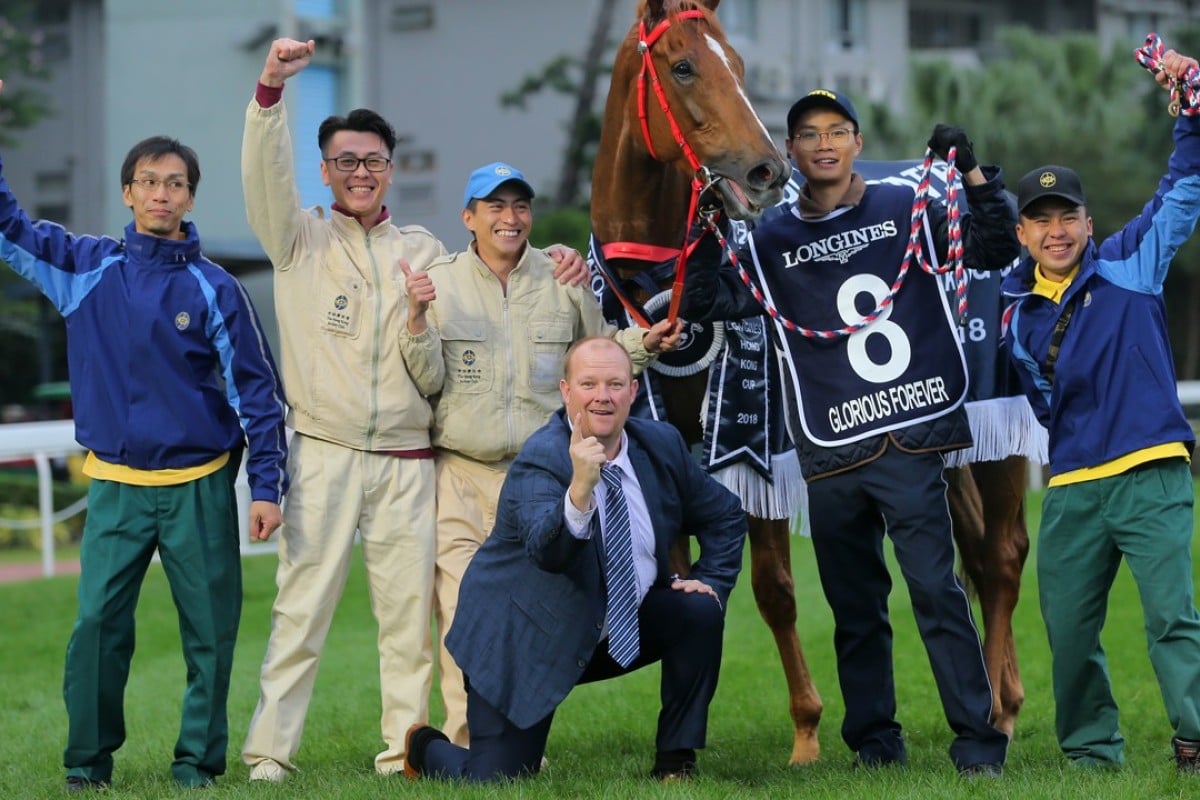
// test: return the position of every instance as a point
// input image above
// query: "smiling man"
(503, 322)
(574, 583)
(877, 406)
(361, 459)
(171, 383)
(1088, 335)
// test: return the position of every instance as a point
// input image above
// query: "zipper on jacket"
(373, 400)
(510, 384)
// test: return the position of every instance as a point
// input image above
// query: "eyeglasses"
(174, 185)
(350, 163)
(811, 140)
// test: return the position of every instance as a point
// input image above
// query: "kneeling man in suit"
(574, 584)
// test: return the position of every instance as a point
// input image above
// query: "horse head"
(678, 112)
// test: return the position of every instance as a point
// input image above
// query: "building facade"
(121, 70)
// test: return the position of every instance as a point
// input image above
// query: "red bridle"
(700, 182)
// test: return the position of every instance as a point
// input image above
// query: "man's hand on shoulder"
(285, 58)
(570, 268)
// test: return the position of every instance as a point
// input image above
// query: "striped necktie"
(622, 613)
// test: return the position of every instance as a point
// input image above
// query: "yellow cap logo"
(1047, 179)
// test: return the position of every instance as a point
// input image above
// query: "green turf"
(602, 740)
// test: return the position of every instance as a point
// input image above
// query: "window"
(945, 28)
(739, 18)
(848, 23)
(412, 17)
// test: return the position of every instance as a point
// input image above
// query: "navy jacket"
(1114, 381)
(169, 365)
(531, 605)
(989, 244)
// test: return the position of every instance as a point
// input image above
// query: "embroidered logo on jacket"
(182, 320)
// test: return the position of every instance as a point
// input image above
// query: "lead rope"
(915, 249)
(1185, 91)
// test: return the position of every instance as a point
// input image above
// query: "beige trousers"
(390, 502)
(467, 495)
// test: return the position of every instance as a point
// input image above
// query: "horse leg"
(1001, 485)
(987, 507)
(774, 592)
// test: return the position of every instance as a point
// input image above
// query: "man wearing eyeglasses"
(361, 458)
(171, 383)
(874, 409)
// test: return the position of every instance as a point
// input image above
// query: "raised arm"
(48, 256)
(268, 175)
(988, 228)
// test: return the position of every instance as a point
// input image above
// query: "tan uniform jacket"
(503, 352)
(341, 305)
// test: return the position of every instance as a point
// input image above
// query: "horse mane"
(669, 8)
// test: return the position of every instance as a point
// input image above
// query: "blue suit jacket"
(531, 605)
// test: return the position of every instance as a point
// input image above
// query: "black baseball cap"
(1049, 181)
(821, 98)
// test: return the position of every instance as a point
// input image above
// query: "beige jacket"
(503, 353)
(340, 302)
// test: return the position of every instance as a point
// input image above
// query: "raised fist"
(946, 136)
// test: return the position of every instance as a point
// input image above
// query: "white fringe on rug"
(1002, 427)
(777, 499)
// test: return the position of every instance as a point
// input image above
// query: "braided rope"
(914, 249)
(1185, 91)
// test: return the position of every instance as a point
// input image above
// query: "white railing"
(43, 441)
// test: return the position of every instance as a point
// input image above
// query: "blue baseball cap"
(822, 98)
(491, 177)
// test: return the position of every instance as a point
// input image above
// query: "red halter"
(650, 252)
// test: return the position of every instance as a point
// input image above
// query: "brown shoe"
(416, 740)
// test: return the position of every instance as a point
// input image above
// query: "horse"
(679, 136)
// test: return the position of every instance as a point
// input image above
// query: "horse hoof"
(805, 750)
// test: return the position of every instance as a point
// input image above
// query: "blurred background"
(466, 82)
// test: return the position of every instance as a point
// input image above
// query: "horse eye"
(682, 69)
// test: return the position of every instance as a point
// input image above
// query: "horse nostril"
(765, 175)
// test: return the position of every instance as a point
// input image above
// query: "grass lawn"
(602, 741)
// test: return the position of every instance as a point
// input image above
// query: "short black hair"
(156, 147)
(362, 120)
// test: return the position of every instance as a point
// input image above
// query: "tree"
(1062, 100)
(576, 78)
(21, 103)
(23, 326)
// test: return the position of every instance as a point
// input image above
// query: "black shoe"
(1187, 755)
(674, 765)
(78, 783)
(415, 743)
(973, 772)
(864, 760)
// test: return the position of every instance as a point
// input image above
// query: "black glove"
(944, 136)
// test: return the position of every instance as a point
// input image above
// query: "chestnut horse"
(679, 133)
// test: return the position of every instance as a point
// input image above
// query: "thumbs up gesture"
(587, 456)
(421, 292)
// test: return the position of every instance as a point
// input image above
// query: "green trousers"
(194, 528)
(1144, 516)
